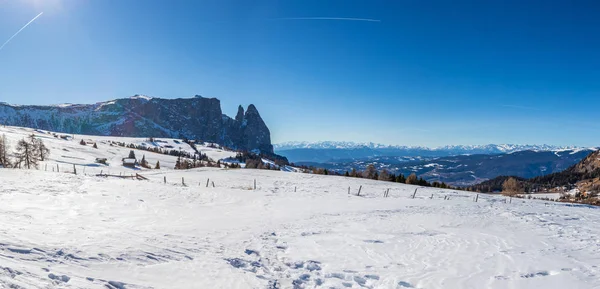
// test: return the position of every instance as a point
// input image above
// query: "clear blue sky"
(428, 73)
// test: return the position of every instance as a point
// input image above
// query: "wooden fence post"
(360, 188)
(254, 184)
(348, 190)
(294, 189)
(431, 196)
(74, 169)
(165, 179)
(182, 181)
(57, 168)
(46, 168)
(415, 193)
(476, 198)
(207, 182)
(213, 183)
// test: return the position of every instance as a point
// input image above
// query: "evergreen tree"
(131, 154)
(95, 145)
(82, 142)
(178, 163)
(144, 163)
(347, 174)
(157, 165)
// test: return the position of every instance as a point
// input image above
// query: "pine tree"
(131, 154)
(82, 142)
(347, 174)
(144, 163)
(157, 165)
(401, 178)
(178, 163)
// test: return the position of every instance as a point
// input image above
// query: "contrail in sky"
(329, 18)
(9, 39)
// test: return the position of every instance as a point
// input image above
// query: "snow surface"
(60, 230)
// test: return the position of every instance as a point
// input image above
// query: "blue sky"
(426, 73)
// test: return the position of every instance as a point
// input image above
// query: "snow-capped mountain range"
(334, 150)
(492, 148)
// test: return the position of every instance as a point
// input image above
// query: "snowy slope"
(146, 234)
(66, 153)
(60, 230)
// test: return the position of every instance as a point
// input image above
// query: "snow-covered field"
(60, 230)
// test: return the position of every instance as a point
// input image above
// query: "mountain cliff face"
(194, 118)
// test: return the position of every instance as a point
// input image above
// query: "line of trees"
(27, 154)
(372, 173)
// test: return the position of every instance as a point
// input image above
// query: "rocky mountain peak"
(197, 118)
(240, 114)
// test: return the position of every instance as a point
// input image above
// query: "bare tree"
(26, 154)
(41, 148)
(511, 187)
(384, 175)
(4, 160)
(370, 172)
(29, 152)
(412, 179)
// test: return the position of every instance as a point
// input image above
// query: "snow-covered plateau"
(294, 230)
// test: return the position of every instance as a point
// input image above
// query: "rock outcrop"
(139, 116)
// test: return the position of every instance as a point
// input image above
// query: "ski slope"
(60, 230)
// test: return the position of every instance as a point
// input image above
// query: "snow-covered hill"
(60, 230)
(66, 153)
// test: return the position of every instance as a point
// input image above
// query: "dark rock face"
(194, 118)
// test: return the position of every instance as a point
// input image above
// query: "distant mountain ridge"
(493, 148)
(327, 151)
(586, 170)
(466, 170)
(142, 116)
